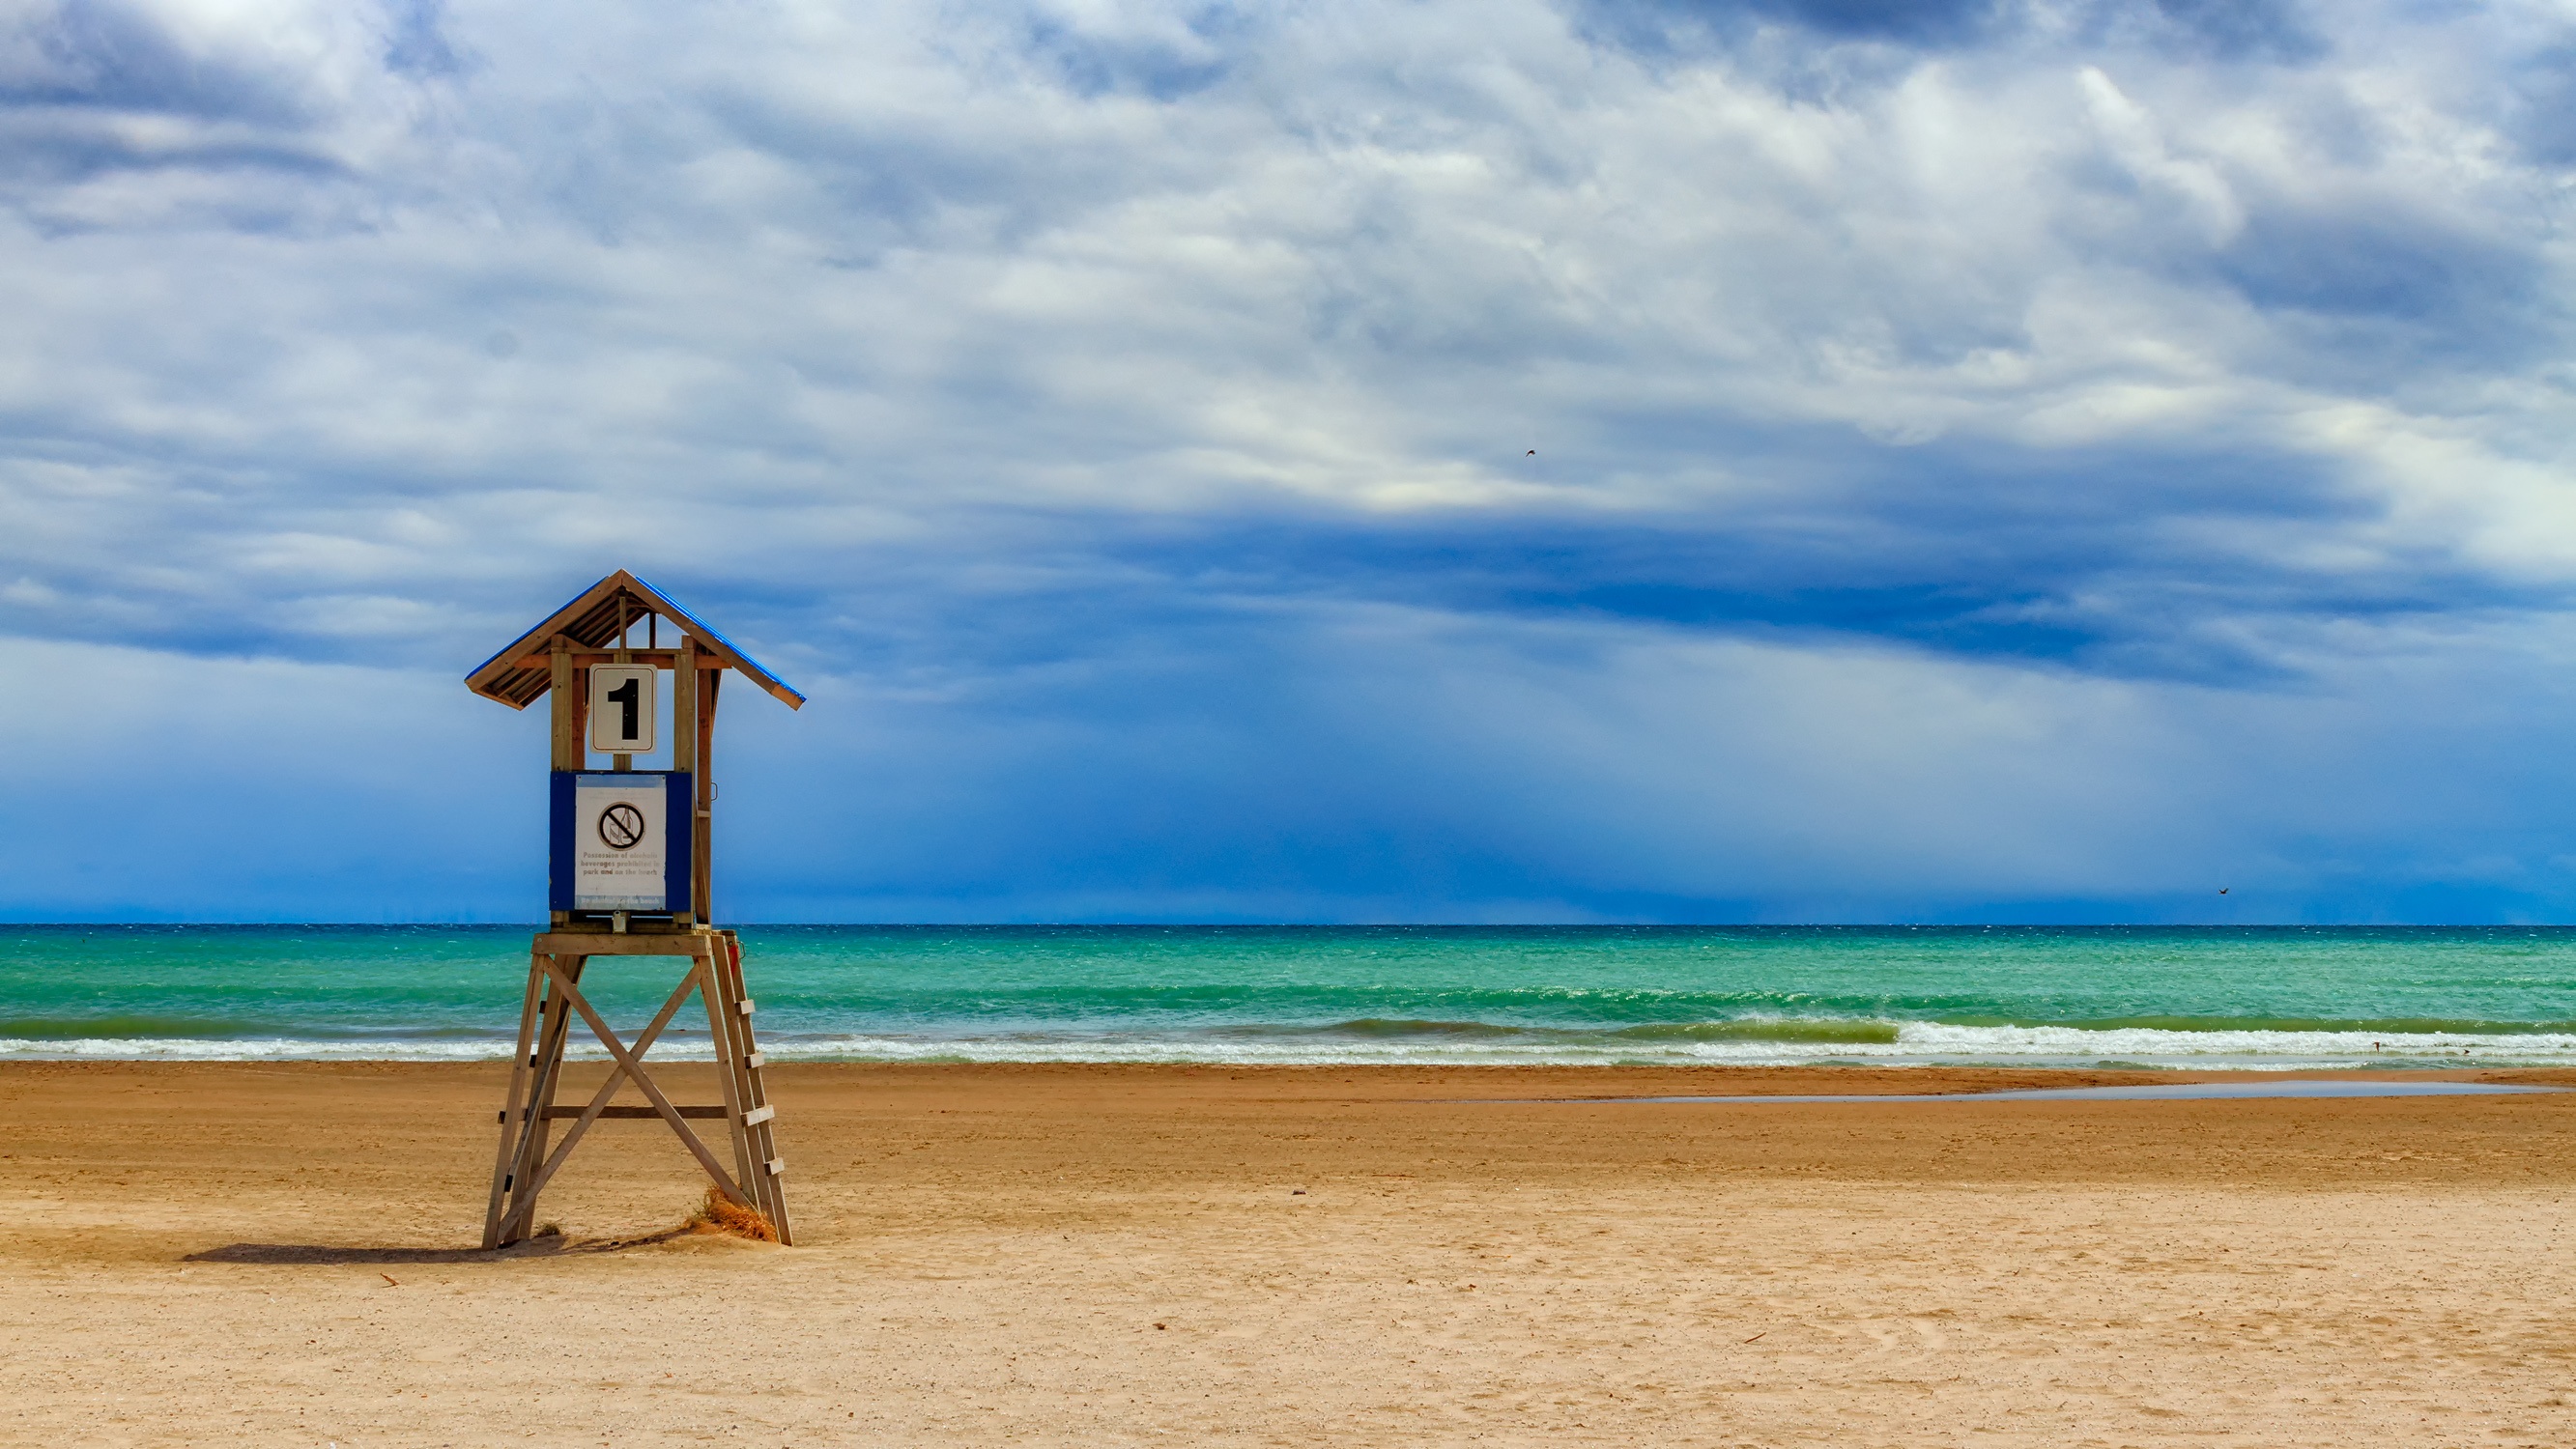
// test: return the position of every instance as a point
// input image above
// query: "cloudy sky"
(1515, 460)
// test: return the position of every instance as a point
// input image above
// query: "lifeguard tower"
(628, 875)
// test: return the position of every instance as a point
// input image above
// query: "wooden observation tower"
(628, 875)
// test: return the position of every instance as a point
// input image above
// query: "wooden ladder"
(523, 1165)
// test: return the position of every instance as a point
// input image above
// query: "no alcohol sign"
(622, 827)
(621, 841)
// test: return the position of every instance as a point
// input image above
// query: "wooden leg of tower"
(737, 1086)
(514, 1108)
(528, 1145)
(760, 1139)
(744, 1090)
(546, 1074)
(558, 1035)
(721, 1010)
(738, 1068)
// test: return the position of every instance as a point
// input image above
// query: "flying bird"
(2222, 890)
(1532, 453)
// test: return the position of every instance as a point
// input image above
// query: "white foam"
(1916, 1044)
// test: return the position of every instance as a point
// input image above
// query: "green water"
(2221, 996)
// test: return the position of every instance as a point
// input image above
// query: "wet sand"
(282, 1253)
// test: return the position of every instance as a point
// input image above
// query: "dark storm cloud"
(1186, 57)
(113, 56)
(2261, 30)
(1682, 26)
(2269, 31)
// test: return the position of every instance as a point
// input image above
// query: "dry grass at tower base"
(283, 1254)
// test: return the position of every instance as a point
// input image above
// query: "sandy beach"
(280, 1253)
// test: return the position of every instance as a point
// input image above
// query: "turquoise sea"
(2277, 997)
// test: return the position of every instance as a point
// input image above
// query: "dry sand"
(276, 1254)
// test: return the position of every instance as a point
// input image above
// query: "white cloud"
(1968, 360)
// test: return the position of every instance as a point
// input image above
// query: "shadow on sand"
(549, 1246)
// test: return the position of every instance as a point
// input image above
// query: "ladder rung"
(758, 1115)
(776, 1165)
(756, 1060)
(743, 1006)
(560, 1114)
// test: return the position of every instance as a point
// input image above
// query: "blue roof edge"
(714, 633)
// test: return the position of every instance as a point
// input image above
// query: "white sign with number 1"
(621, 709)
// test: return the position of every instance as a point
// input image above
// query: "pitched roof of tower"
(521, 674)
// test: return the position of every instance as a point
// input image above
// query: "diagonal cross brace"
(626, 1066)
(627, 1060)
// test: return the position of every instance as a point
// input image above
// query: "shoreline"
(1787, 1076)
(684, 1046)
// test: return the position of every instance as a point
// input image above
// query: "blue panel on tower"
(620, 841)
